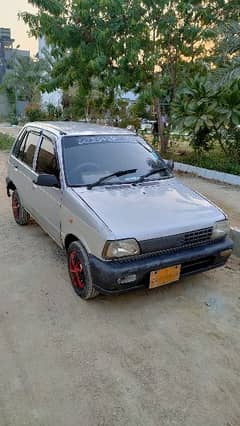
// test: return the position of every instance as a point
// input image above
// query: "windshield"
(90, 158)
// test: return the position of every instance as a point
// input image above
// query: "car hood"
(150, 209)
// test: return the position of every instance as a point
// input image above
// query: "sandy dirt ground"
(164, 357)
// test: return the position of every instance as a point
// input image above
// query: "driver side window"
(47, 161)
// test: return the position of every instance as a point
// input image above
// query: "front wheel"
(79, 271)
(20, 215)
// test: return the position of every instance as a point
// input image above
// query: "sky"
(9, 19)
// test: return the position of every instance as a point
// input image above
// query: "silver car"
(111, 201)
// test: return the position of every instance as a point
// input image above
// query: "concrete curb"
(208, 174)
(235, 235)
(10, 130)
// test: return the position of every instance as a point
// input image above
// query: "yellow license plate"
(164, 276)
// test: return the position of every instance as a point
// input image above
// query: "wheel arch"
(70, 238)
(10, 186)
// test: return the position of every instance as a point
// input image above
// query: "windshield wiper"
(153, 172)
(119, 173)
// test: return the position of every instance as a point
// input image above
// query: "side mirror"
(47, 180)
(170, 164)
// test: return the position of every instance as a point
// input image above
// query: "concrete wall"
(4, 106)
(20, 107)
(53, 98)
(15, 53)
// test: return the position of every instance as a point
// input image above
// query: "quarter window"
(47, 162)
(19, 146)
(26, 154)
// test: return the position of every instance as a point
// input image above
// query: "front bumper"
(106, 274)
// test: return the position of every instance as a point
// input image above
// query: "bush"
(213, 160)
(6, 141)
(13, 120)
(53, 112)
(209, 114)
(34, 113)
(135, 122)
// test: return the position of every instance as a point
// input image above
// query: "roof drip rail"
(52, 127)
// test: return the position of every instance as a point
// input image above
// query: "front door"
(47, 201)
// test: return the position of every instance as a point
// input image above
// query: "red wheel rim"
(15, 207)
(76, 270)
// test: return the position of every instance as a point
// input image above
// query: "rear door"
(47, 201)
(22, 161)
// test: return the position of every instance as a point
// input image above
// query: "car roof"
(78, 128)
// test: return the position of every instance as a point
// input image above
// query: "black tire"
(20, 215)
(79, 271)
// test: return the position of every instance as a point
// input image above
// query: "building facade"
(7, 52)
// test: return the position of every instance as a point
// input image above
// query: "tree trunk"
(162, 137)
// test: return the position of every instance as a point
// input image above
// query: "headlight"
(221, 229)
(120, 248)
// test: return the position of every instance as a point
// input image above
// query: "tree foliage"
(209, 114)
(142, 45)
(23, 77)
(228, 53)
(149, 46)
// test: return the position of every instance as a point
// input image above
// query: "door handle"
(16, 167)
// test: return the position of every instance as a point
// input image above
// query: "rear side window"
(47, 162)
(28, 148)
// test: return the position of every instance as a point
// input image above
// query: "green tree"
(228, 54)
(23, 78)
(143, 45)
(209, 114)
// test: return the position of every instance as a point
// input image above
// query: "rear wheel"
(20, 215)
(79, 271)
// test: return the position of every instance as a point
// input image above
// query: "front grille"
(177, 242)
(196, 238)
